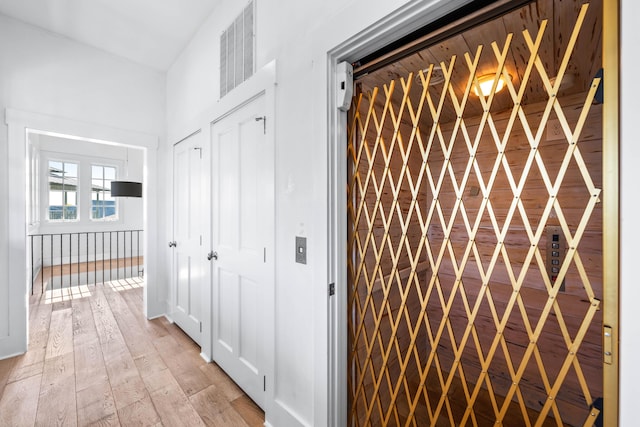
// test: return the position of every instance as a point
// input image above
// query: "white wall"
(299, 35)
(51, 75)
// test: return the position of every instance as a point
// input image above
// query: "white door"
(188, 228)
(243, 212)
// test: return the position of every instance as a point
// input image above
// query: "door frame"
(402, 22)
(19, 124)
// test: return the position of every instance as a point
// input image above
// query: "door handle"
(212, 255)
(173, 244)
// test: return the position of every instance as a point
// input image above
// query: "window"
(103, 206)
(63, 191)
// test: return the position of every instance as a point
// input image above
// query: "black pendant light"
(126, 189)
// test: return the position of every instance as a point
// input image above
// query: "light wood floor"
(95, 360)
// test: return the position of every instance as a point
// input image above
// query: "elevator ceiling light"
(485, 83)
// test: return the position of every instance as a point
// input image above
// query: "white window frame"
(48, 192)
(103, 165)
(84, 163)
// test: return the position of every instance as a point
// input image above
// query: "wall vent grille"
(237, 50)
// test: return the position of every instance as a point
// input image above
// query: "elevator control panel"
(556, 251)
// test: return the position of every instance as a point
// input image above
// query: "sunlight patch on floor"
(65, 294)
(83, 291)
(125, 284)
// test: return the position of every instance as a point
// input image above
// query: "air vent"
(237, 46)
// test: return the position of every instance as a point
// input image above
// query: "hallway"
(95, 359)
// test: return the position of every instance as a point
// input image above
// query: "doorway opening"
(78, 233)
(478, 228)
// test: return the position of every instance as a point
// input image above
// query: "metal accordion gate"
(475, 229)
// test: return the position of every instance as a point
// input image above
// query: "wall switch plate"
(301, 250)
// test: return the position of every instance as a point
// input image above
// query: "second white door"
(188, 228)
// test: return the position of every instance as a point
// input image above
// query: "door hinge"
(264, 255)
(264, 123)
(200, 326)
(199, 151)
(264, 383)
(332, 289)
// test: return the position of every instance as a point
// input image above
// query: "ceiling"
(149, 32)
(561, 16)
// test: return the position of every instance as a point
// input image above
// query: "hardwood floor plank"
(222, 381)
(249, 411)
(110, 420)
(83, 322)
(153, 327)
(209, 403)
(20, 372)
(95, 403)
(57, 400)
(133, 334)
(140, 413)
(57, 368)
(34, 356)
(184, 365)
(191, 380)
(39, 322)
(149, 363)
(129, 391)
(157, 380)
(60, 334)
(61, 305)
(57, 403)
(6, 370)
(108, 331)
(174, 407)
(39, 317)
(181, 337)
(228, 417)
(90, 367)
(32, 362)
(91, 372)
(120, 368)
(19, 402)
(167, 346)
